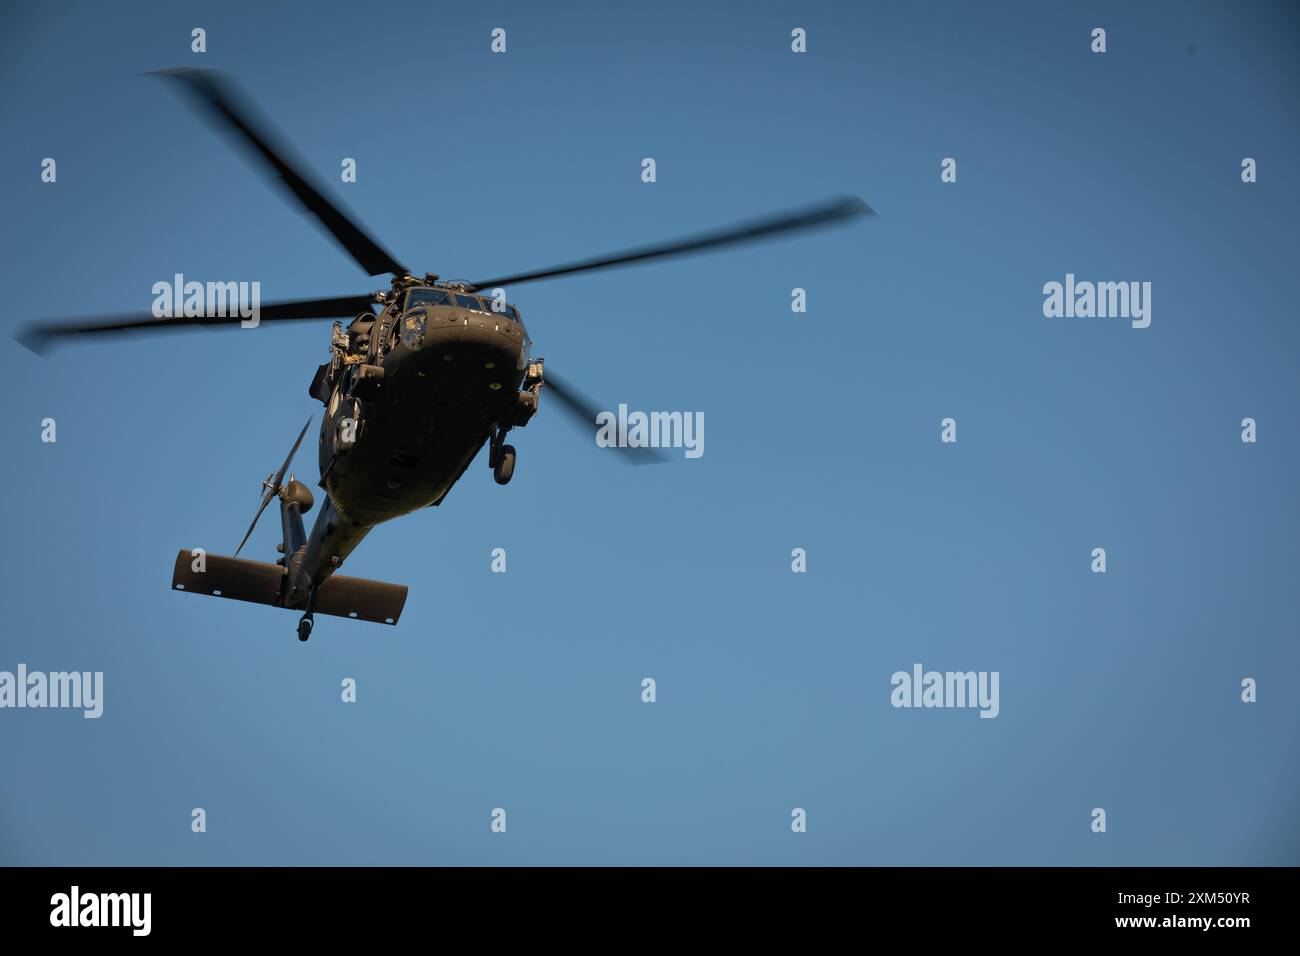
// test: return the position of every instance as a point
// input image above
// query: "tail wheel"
(504, 467)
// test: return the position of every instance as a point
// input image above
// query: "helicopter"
(424, 374)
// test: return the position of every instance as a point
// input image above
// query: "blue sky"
(522, 690)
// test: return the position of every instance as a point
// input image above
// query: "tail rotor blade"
(273, 487)
(266, 500)
(279, 475)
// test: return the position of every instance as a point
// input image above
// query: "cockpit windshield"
(418, 297)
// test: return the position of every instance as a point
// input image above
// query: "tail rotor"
(272, 485)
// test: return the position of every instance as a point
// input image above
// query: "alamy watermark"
(1099, 300)
(75, 908)
(922, 688)
(651, 430)
(211, 300)
(70, 689)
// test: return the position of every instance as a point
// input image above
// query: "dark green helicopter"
(425, 373)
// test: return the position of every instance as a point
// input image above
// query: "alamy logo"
(923, 688)
(75, 689)
(651, 430)
(213, 300)
(1101, 300)
(102, 909)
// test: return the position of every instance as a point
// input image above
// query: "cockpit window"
(418, 297)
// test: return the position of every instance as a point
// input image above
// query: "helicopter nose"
(452, 330)
(454, 355)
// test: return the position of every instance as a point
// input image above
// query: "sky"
(522, 690)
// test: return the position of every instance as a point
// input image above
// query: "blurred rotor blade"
(583, 411)
(824, 214)
(273, 487)
(39, 336)
(223, 104)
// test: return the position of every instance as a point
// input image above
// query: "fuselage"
(397, 441)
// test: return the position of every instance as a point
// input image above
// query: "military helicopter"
(425, 373)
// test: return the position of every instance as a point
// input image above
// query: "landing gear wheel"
(304, 628)
(504, 467)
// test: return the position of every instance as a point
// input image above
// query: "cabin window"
(469, 302)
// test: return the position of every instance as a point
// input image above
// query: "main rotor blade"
(824, 214)
(39, 336)
(223, 104)
(584, 412)
(274, 488)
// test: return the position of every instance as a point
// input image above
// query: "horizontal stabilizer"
(258, 582)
